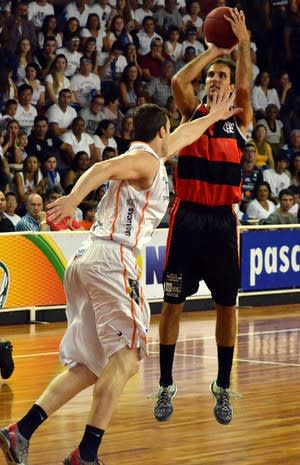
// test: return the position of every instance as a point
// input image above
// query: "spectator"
(264, 155)
(72, 55)
(93, 29)
(102, 9)
(4, 178)
(125, 135)
(76, 139)
(11, 207)
(10, 143)
(110, 68)
(263, 94)
(38, 10)
(144, 10)
(117, 31)
(295, 210)
(79, 165)
(294, 169)
(35, 218)
(49, 170)
(72, 28)
(109, 153)
(129, 86)
(26, 112)
(31, 78)
(123, 8)
(9, 113)
(8, 88)
(159, 88)
(172, 47)
(191, 40)
(17, 27)
(261, 206)
(193, 19)
(41, 141)
(44, 57)
(146, 35)
(152, 61)
(130, 54)
(276, 177)
(142, 98)
(189, 55)
(6, 224)
(24, 56)
(53, 193)
(89, 214)
(293, 144)
(56, 79)
(49, 29)
(84, 83)
(274, 128)
(282, 214)
(77, 9)
(29, 180)
(251, 174)
(112, 110)
(167, 17)
(61, 114)
(104, 137)
(93, 114)
(89, 51)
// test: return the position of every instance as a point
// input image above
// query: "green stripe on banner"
(47, 250)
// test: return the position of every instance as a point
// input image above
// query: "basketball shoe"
(13, 445)
(163, 407)
(223, 409)
(75, 459)
(6, 361)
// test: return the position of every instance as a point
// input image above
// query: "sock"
(166, 357)
(90, 442)
(225, 356)
(31, 421)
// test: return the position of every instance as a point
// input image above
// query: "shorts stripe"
(131, 297)
(117, 211)
(141, 220)
(171, 225)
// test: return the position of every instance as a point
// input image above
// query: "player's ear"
(162, 132)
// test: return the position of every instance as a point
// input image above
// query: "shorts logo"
(228, 127)
(133, 290)
(173, 284)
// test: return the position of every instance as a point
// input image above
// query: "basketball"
(217, 30)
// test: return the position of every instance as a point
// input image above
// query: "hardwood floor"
(266, 426)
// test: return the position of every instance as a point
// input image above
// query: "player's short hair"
(147, 121)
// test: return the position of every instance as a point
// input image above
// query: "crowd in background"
(73, 72)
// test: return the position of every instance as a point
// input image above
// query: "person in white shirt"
(70, 51)
(144, 10)
(261, 207)
(84, 82)
(103, 9)
(277, 176)
(61, 114)
(37, 12)
(146, 35)
(11, 206)
(263, 95)
(76, 139)
(191, 40)
(25, 111)
(77, 9)
(104, 137)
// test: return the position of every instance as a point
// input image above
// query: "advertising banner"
(270, 259)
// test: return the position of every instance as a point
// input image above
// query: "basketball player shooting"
(202, 222)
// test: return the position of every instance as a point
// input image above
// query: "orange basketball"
(217, 30)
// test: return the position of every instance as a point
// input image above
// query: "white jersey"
(128, 216)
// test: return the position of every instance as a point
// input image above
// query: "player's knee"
(172, 311)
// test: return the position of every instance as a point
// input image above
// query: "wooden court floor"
(266, 426)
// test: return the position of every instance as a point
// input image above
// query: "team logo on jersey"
(133, 290)
(4, 283)
(228, 127)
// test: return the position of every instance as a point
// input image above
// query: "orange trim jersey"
(209, 171)
(128, 216)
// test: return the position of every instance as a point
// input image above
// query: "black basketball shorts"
(202, 244)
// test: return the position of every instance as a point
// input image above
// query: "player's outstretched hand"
(223, 105)
(60, 209)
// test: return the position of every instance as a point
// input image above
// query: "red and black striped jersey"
(209, 170)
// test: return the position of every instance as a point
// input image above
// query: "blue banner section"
(270, 259)
(155, 257)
